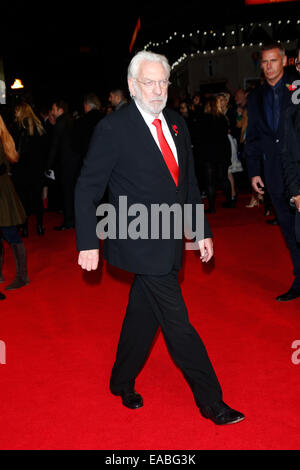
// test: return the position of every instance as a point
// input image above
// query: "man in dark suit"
(64, 161)
(144, 152)
(85, 125)
(291, 149)
(264, 143)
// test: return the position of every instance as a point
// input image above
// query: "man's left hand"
(206, 249)
(297, 202)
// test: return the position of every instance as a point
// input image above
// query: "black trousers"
(154, 301)
(286, 219)
(216, 174)
(67, 181)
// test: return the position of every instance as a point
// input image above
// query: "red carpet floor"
(61, 333)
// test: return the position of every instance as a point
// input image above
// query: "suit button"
(276, 141)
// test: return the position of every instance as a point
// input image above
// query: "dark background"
(61, 49)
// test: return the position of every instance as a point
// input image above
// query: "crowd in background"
(55, 139)
(51, 144)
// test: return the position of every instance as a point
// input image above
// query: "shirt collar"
(277, 86)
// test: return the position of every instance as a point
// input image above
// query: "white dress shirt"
(148, 118)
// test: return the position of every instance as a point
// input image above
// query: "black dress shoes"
(230, 204)
(220, 413)
(131, 399)
(272, 222)
(289, 295)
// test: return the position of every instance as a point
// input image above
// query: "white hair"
(146, 56)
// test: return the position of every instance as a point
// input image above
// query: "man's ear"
(131, 87)
(284, 61)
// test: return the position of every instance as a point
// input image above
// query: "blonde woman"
(28, 173)
(213, 148)
(12, 213)
(235, 167)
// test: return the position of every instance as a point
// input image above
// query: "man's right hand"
(88, 259)
(257, 184)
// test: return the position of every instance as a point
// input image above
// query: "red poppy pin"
(291, 87)
(175, 129)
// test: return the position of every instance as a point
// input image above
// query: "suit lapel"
(142, 132)
(261, 106)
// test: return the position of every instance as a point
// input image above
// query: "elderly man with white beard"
(144, 152)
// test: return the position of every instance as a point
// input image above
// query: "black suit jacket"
(83, 130)
(291, 150)
(263, 145)
(124, 156)
(291, 157)
(62, 156)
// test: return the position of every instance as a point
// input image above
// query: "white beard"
(152, 108)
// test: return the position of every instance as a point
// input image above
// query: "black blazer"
(62, 156)
(291, 158)
(291, 150)
(83, 130)
(29, 170)
(124, 156)
(263, 145)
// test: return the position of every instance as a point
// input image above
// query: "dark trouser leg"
(210, 183)
(68, 203)
(37, 204)
(163, 294)
(68, 188)
(54, 196)
(286, 219)
(222, 178)
(137, 334)
(183, 342)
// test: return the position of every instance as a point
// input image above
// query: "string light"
(212, 33)
(205, 53)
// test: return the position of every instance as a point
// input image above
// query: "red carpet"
(61, 333)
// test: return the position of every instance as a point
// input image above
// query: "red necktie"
(166, 151)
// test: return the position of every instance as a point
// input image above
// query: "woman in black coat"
(212, 149)
(12, 213)
(28, 173)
